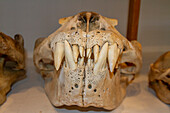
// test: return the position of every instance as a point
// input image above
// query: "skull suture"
(159, 77)
(86, 62)
(12, 63)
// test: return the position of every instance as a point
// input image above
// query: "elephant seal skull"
(87, 62)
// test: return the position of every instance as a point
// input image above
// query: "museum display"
(87, 62)
(159, 77)
(12, 63)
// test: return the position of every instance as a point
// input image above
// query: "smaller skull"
(11, 63)
(159, 77)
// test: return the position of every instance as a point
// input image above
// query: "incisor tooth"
(88, 53)
(113, 54)
(96, 52)
(58, 54)
(89, 62)
(81, 49)
(102, 58)
(69, 56)
(81, 61)
(75, 52)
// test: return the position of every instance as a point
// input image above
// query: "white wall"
(154, 25)
(39, 18)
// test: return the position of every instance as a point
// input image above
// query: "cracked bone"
(58, 54)
(69, 56)
(75, 52)
(102, 59)
(96, 53)
(113, 54)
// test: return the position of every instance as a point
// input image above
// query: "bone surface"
(98, 60)
(159, 77)
(12, 63)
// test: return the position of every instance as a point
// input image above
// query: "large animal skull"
(12, 63)
(159, 77)
(86, 62)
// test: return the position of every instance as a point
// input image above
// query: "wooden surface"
(133, 19)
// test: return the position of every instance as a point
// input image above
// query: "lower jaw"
(82, 88)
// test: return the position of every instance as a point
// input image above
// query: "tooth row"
(71, 56)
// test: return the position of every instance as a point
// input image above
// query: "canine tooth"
(81, 61)
(102, 58)
(81, 49)
(75, 52)
(58, 54)
(96, 52)
(69, 56)
(89, 52)
(113, 54)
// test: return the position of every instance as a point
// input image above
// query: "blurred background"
(39, 18)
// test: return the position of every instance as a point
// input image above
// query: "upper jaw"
(76, 56)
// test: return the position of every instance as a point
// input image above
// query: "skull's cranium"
(159, 77)
(81, 62)
(12, 63)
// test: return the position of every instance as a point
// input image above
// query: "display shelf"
(28, 96)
